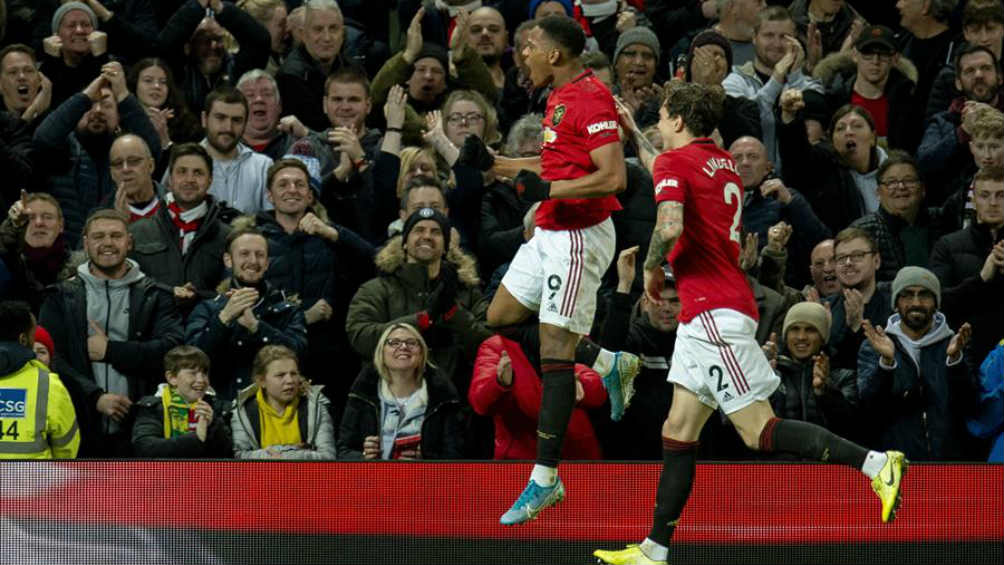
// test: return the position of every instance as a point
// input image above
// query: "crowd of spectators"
(244, 230)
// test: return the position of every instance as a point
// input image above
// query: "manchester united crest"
(559, 113)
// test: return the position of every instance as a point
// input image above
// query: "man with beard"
(263, 133)
(911, 375)
(181, 243)
(238, 171)
(982, 24)
(111, 326)
(33, 248)
(248, 315)
(767, 201)
(302, 76)
(635, 61)
(904, 229)
(26, 92)
(776, 66)
(861, 298)
(73, 145)
(944, 150)
(198, 58)
(488, 36)
(874, 76)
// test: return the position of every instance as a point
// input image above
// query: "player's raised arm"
(667, 231)
(509, 167)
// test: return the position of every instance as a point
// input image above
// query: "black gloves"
(531, 187)
(473, 153)
(442, 301)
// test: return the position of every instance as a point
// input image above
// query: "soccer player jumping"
(716, 361)
(557, 272)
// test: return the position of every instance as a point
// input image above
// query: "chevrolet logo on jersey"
(13, 402)
(550, 136)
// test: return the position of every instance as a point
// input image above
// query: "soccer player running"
(557, 272)
(716, 361)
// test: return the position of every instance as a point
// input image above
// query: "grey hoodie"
(867, 183)
(108, 307)
(939, 331)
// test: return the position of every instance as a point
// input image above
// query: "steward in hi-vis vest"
(37, 420)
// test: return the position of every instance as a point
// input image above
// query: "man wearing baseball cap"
(911, 376)
(883, 83)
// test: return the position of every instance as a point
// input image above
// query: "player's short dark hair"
(565, 32)
(895, 157)
(185, 357)
(284, 163)
(848, 234)
(226, 95)
(15, 319)
(106, 214)
(701, 107)
(969, 49)
(422, 181)
(184, 149)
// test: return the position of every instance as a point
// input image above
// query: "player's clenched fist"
(531, 187)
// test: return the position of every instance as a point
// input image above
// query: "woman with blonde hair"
(400, 407)
(281, 416)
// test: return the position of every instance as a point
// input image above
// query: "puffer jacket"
(398, 295)
(795, 398)
(442, 426)
(157, 249)
(515, 409)
(838, 72)
(148, 432)
(313, 417)
(280, 322)
(920, 406)
(957, 260)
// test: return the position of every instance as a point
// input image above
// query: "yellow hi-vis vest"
(37, 420)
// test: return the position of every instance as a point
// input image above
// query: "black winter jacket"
(885, 229)
(442, 427)
(148, 433)
(254, 39)
(157, 249)
(280, 322)
(154, 328)
(301, 87)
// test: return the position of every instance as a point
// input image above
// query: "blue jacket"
(918, 407)
(232, 347)
(989, 419)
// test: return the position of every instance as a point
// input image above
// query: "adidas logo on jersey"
(727, 397)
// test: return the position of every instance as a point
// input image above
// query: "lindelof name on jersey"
(600, 126)
(714, 164)
(666, 183)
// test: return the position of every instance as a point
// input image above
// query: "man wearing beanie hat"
(810, 389)
(74, 52)
(911, 374)
(635, 61)
(424, 281)
(44, 348)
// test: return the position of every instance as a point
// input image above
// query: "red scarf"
(186, 229)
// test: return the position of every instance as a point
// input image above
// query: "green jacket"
(472, 74)
(398, 295)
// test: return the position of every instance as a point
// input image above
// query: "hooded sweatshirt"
(939, 331)
(867, 183)
(108, 307)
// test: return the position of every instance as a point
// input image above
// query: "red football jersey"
(580, 117)
(705, 260)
